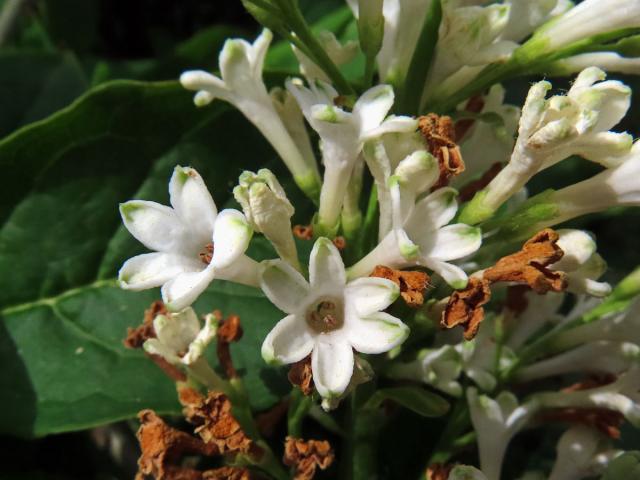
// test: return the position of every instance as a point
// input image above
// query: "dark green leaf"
(418, 400)
(61, 244)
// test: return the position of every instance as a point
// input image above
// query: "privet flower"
(588, 18)
(268, 210)
(180, 339)
(342, 136)
(328, 317)
(439, 367)
(192, 243)
(556, 128)
(581, 263)
(241, 85)
(496, 421)
(607, 61)
(621, 396)
(525, 16)
(582, 452)
(338, 53)
(402, 26)
(420, 234)
(540, 310)
(612, 357)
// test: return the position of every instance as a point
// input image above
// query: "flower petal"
(202, 81)
(332, 367)
(452, 242)
(231, 236)
(452, 274)
(259, 50)
(283, 285)
(326, 268)
(192, 202)
(376, 333)
(183, 290)
(237, 71)
(288, 342)
(372, 107)
(432, 212)
(392, 124)
(370, 295)
(156, 226)
(151, 270)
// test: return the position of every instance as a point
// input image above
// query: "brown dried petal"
(465, 307)
(529, 265)
(301, 376)
(412, 283)
(306, 456)
(163, 447)
(516, 300)
(229, 330)
(470, 189)
(439, 134)
(439, 471)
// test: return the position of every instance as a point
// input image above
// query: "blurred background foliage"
(55, 51)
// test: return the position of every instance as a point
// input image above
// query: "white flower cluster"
(334, 315)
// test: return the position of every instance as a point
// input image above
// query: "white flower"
(439, 367)
(527, 15)
(420, 234)
(268, 210)
(582, 452)
(612, 187)
(581, 263)
(621, 396)
(608, 61)
(588, 18)
(402, 27)
(338, 53)
(620, 327)
(328, 317)
(179, 338)
(556, 128)
(466, 472)
(192, 243)
(496, 421)
(487, 143)
(612, 357)
(343, 134)
(469, 36)
(241, 85)
(362, 373)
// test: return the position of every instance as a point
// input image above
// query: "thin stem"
(458, 422)
(9, 16)
(369, 225)
(369, 70)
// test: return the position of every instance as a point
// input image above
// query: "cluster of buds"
(474, 266)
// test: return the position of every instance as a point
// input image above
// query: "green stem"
(459, 421)
(369, 225)
(369, 70)
(421, 60)
(298, 408)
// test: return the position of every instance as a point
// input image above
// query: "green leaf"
(36, 84)
(62, 242)
(418, 400)
(626, 465)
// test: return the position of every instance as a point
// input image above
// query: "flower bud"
(268, 210)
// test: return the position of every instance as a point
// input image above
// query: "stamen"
(206, 254)
(325, 316)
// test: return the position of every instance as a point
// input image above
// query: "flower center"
(325, 315)
(206, 253)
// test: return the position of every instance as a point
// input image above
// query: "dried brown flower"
(607, 422)
(305, 456)
(301, 376)
(163, 447)
(529, 265)
(412, 283)
(440, 137)
(227, 473)
(465, 307)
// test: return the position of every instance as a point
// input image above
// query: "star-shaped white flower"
(421, 234)
(328, 317)
(241, 65)
(192, 243)
(180, 339)
(343, 134)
